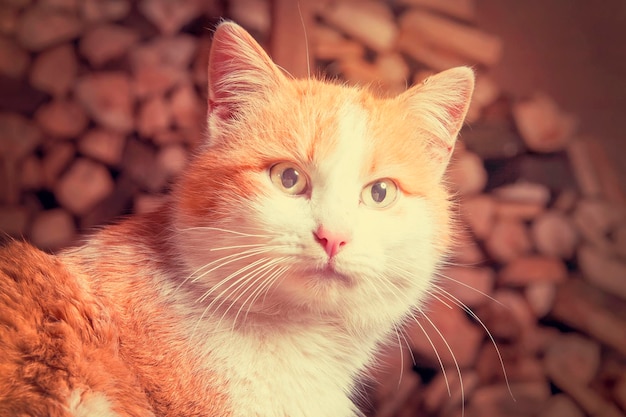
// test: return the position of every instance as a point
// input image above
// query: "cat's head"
(316, 195)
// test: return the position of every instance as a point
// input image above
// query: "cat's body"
(299, 238)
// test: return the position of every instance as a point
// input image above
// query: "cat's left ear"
(439, 106)
(240, 73)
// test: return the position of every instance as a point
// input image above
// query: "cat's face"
(314, 195)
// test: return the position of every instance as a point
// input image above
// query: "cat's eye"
(380, 193)
(288, 178)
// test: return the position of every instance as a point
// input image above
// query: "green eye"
(380, 193)
(288, 178)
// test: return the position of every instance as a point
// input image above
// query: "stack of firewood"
(104, 99)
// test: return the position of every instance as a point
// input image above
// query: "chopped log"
(466, 41)
(54, 70)
(103, 145)
(62, 118)
(612, 187)
(53, 229)
(431, 55)
(471, 286)
(31, 173)
(467, 173)
(13, 221)
(330, 45)
(13, 59)
(40, 27)
(595, 220)
(105, 10)
(575, 356)
(540, 297)
(154, 116)
(168, 16)
(255, 16)
(141, 166)
(436, 396)
(292, 24)
(188, 111)
(583, 168)
(106, 42)
(114, 205)
(84, 185)
(173, 159)
(521, 211)
(509, 239)
(19, 136)
(543, 126)
(496, 400)
(463, 9)
(561, 405)
(524, 192)
(571, 363)
(56, 159)
(526, 270)
(577, 306)
(107, 97)
(463, 338)
(602, 270)
(479, 213)
(370, 22)
(554, 235)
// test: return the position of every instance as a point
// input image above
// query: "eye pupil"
(289, 178)
(379, 192)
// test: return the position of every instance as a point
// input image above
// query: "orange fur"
(202, 308)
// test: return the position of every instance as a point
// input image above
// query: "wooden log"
(14, 60)
(40, 27)
(154, 116)
(169, 17)
(554, 234)
(62, 118)
(603, 271)
(370, 22)
(54, 70)
(103, 145)
(52, 229)
(463, 9)
(509, 239)
(429, 54)
(106, 42)
(108, 98)
(84, 185)
(464, 40)
(463, 338)
(583, 168)
(293, 23)
(543, 126)
(254, 15)
(532, 269)
(578, 305)
(330, 45)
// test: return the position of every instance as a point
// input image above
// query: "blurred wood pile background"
(102, 102)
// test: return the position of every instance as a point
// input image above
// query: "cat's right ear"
(240, 72)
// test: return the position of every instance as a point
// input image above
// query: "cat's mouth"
(329, 271)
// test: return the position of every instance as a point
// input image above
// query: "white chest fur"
(303, 372)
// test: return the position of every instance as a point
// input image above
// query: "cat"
(302, 234)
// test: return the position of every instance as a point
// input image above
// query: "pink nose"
(331, 241)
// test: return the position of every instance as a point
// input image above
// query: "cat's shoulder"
(47, 321)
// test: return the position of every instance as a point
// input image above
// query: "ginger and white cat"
(302, 234)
